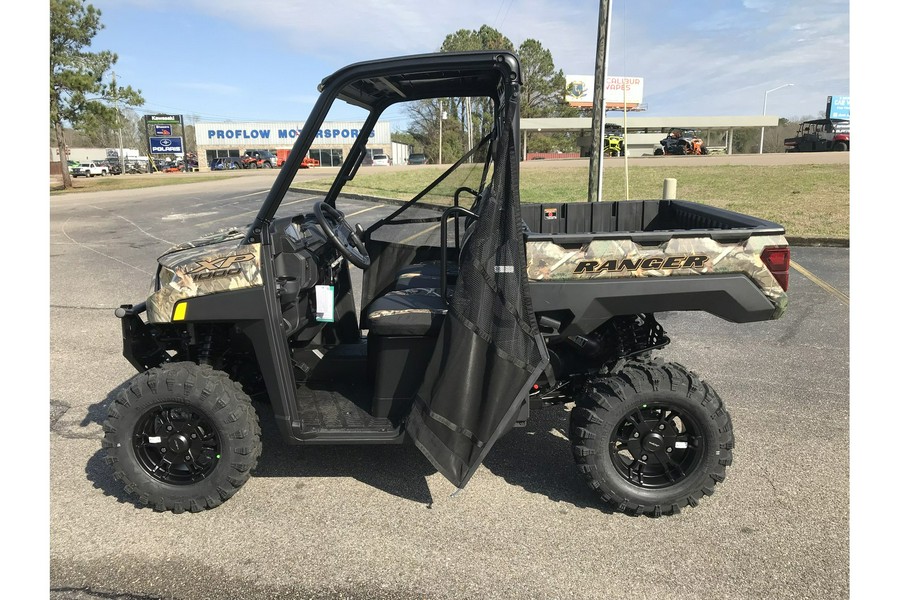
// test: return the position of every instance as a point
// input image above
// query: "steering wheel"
(349, 244)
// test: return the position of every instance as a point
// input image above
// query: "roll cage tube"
(376, 85)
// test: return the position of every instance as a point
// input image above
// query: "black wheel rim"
(176, 444)
(656, 446)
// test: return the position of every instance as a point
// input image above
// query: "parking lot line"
(364, 210)
(822, 284)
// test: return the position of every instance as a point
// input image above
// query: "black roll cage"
(375, 86)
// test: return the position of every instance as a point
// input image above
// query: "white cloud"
(710, 57)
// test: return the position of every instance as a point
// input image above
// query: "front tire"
(182, 437)
(651, 438)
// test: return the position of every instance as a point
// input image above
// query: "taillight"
(778, 261)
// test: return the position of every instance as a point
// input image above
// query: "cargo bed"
(589, 262)
(640, 219)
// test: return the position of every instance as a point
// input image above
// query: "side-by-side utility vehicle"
(490, 311)
(820, 135)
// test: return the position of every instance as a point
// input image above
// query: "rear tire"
(840, 147)
(182, 437)
(651, 439)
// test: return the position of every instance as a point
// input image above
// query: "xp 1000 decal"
(200, 270)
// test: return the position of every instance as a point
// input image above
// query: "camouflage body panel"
(610, 259)
(213, 264)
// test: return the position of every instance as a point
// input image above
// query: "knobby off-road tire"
(651, 438)
(182, 437)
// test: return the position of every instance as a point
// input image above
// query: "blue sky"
(249, 60)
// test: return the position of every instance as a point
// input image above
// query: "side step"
(340, 416)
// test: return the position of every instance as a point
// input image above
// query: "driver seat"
(409, 312)
(403, 331)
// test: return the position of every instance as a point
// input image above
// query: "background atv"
(614, 142)
(613, 145)
(513, 308)
(680, 142)
(820, 135)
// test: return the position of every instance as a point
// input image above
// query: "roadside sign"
(173, 119)
(838, 107)
(166, 145)
(163, 129)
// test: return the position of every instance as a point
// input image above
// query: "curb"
(793, 241)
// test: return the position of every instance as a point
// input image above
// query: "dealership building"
(331, 144)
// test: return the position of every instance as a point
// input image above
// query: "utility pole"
(119, 123)
(469, 124)
(598, 123)
(440, 131)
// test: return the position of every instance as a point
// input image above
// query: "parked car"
(417, 159)
(381, 160)
(89, 169)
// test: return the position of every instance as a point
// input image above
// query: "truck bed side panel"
(662, 255)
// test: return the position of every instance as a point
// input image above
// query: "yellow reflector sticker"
(180, 310)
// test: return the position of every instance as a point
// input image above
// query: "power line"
(506, 14)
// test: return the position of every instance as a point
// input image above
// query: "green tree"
(543, 95)
(544, 87)
(78, 93)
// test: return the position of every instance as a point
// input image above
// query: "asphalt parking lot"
(380, 522)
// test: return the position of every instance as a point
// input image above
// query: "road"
(380, 522)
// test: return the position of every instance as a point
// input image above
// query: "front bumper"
(139, 345)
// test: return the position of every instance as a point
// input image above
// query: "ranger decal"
(633, 264)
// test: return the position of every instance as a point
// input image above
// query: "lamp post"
(762, 130)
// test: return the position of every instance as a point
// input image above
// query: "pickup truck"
(460, 332)
(89, 169)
